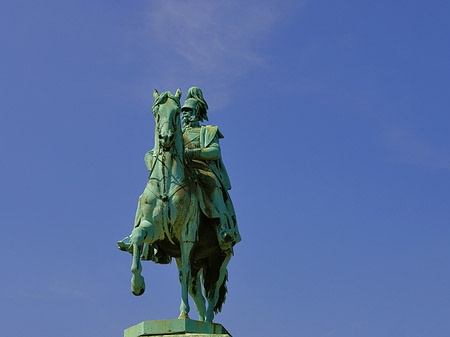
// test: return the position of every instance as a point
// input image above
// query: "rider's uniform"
(212, 178)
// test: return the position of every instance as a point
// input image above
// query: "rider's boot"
(226, 235)
(226, 239)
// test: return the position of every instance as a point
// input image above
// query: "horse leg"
(137, 281)
(185, 276)
(195, 290)
(212, 300)
(146, 232)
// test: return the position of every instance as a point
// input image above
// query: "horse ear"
(178, 93)
(155, 94)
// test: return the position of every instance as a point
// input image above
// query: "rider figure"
(202, 151)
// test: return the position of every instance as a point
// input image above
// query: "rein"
(164, 197)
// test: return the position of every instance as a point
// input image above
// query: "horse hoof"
(184, 315)
(137, 285)
(137, 292)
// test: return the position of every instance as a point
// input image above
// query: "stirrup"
(125, 246)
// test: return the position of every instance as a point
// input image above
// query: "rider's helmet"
(190, 103)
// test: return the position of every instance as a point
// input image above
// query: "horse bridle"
(164, 197)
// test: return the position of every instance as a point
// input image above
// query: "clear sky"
(336, 123)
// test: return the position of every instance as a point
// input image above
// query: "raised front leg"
(185, 276)
(137, 281)
(146, 232)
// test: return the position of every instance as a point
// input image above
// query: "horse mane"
(163, 99)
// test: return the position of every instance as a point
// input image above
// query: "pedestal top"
(179, 327)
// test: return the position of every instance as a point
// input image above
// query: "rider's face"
(189, 116)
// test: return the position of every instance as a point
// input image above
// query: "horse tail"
(211, 275)
(222, 294)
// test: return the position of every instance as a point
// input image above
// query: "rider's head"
(189, 112)
(197, 94)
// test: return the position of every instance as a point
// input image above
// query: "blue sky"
(335, 116)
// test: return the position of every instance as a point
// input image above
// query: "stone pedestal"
(176, 328)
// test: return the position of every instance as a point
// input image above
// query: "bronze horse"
(169, 223)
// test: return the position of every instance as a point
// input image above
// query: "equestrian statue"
(185, 211)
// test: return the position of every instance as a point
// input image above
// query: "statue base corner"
(176, 328)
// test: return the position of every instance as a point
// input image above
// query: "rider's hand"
(192, 153)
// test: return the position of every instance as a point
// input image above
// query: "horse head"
(166, 110)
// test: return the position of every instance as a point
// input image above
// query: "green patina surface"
(181, 327)
(185, 212)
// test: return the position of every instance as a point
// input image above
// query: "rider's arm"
(212, 152)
